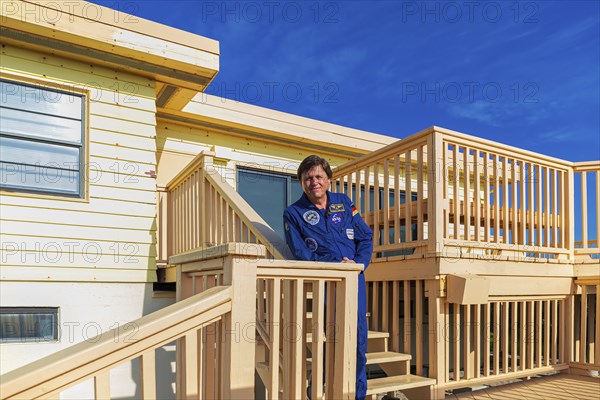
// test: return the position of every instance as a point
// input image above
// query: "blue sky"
(524, 73)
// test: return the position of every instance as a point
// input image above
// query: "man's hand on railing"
(347, 260)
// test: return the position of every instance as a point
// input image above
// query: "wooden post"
(435, 188)
(437, 337)
(569, 227)
(238, 350)
(344, 379)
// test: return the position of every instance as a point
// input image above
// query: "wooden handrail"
(264, 233)
(96, 356)
(203, 210)
(275, 298)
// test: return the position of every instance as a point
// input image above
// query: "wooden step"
(401, 382)
(378, 342)
(382, 357)
(378, 335)
(371, 335)
(262, 368)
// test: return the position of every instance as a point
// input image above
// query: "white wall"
(86, 309)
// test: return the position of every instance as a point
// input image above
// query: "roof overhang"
(232, 117)
(179, 61)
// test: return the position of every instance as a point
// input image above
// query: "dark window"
(22, 324)
(269, 193)
(41, 140)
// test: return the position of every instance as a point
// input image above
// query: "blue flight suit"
(329, 234)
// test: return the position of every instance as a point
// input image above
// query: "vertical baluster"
(385, 307)
(407, 319)
(513, 219)
(530, 334)
(523, 206)
(368, 214)
(476, 196)
(420, 189)
(456, 190)
(539, 194)
(102, 385)
(274, 336)
(191, 365)
(357, 191)
(538, 335)
(547, 209)
(317, 339)
(547, 333)
(531, 210)
(396, 199)
(486, 194)
(497, 317)
(514, 334)
(598, 238)
(584, 211)
(376, 206)
(395, 316)
(583, 325)
(505, 340)
(408, 196)
(505, 230)
(386, 202)
(523, 334)
(148, 375)
(496, 201)
(597, 350)
(457, 340)
(375, 309)
(486, 338)
(554, 220)
(467, 196)
(554, 339)
(477, 338)
(419, 326)
(468, 351)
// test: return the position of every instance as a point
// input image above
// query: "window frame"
(83, 185)
(25, 310)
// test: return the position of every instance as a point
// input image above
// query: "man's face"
(315, 184)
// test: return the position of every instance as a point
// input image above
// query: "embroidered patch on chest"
(333, 208)
(336, 218)
(311, 244)
(312, 217)
(350, 233)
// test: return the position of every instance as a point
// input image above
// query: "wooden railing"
(587, 177)
(504, 339)
(586, 326)
(96, 357)
(447, 192)
(463, 345)
(395, 190)
(199, 209)
(274, 331)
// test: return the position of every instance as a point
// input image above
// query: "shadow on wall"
(165, 356)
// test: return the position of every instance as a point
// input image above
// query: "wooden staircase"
(397, 368)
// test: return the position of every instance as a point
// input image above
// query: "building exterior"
(103, 118)
(114, 109)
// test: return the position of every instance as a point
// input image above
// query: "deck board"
(557, 386)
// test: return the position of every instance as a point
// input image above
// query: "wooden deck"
(559, 387)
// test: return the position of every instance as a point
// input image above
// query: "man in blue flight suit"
(325, 226)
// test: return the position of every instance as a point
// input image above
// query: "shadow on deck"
(558, 386)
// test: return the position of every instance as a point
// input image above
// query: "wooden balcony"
(485, 270)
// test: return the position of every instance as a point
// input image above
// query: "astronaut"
(325, 226)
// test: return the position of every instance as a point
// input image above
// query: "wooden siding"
(110, 235)
(179, 144)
